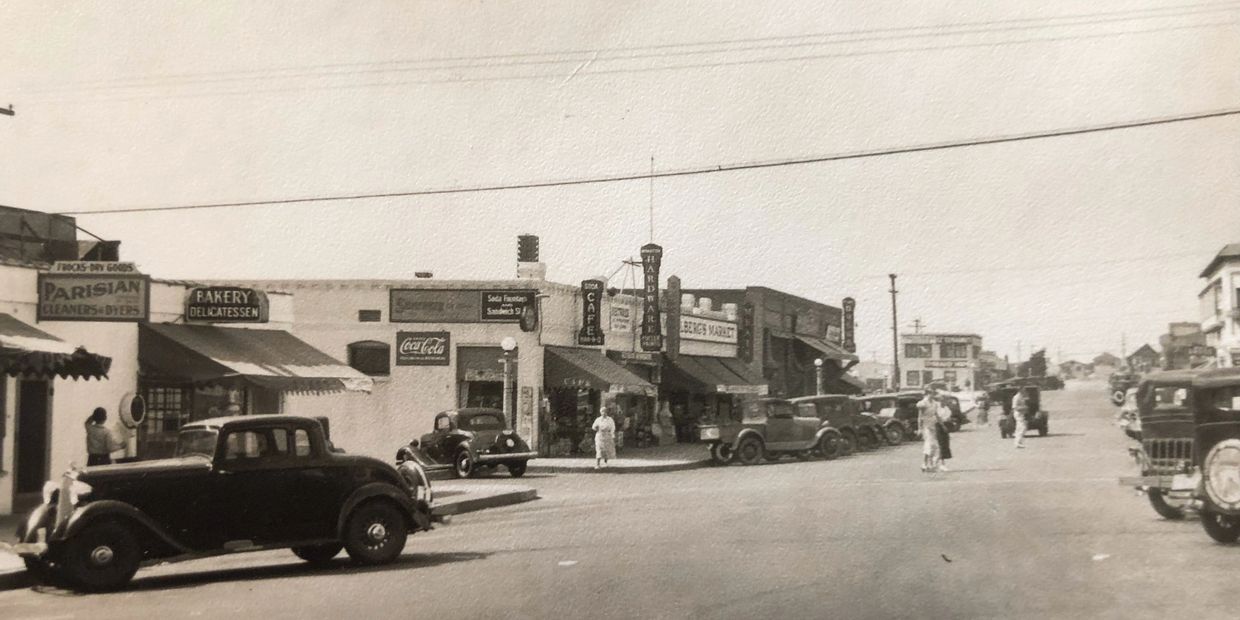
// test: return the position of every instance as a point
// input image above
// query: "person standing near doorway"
(604, 437)
(100, 444)
(1020, 412)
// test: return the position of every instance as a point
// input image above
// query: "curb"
(641, 469)
(467, 505)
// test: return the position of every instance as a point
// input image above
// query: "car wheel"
(463, 463)
(102, 557)
(873, 438)
(829, 447)
(847, 443)
(894, 435)
(1220, 527)
(1158, 499)
(375, 533)
(750, 451)
(516, 470)
(1117, 398)
(721, 453)
(318, 554)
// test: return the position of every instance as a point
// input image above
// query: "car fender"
(747, 432)
(416, 513)
(824, 431)
(27, 530)
(109, 508)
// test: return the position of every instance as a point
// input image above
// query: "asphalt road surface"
(1040, 532)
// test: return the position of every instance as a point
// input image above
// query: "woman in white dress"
(604, 437)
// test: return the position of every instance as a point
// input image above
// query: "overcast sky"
(1065, 243)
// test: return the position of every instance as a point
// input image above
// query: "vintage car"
(958, 417)
(896, 411)
(235, 484)
(1164, 407)
(1118, 384)
(860, 431)
(469, 440)
(770, 428)
(1003, 393)
(1216, 420)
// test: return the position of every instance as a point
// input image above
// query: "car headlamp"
(510, 443)
(49, 489)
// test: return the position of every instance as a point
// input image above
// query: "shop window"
(167, 409)
(371, 357)
(914, 378)
(369, 316)
(954, 350)
(266, 401)
(949, 376)
(927, 377)
(917, 350)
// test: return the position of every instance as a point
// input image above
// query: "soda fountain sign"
(850, 306)
(423, 348)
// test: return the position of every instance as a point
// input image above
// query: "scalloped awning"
(27, 350)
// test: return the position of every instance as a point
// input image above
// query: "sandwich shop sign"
(226, 304)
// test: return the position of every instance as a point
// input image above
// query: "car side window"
(807, 410)
(256, 444)
(301, 443)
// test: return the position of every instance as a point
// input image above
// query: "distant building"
(991, 368)
(1106, 364)
(876, 375)
(1220, 305)
(1073, 369)
(1184, 346)
(949, 358)
(1144, 359)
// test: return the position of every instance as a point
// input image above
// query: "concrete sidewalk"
(676, 457)
(450, 499)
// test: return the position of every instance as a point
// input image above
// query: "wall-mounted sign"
(745, 333)
(834, 334)
(226, 304)
(946, 363)
(92, 266)
(708, 330)
(423, 348)
(101, 297)
(954, 339)
(620, 318)
(760, 390)
(850, 306)
(633, 357)
(459, 305)
(652, 259)
(591, 333)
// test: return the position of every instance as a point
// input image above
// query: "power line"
(601, 55)
(923, 148)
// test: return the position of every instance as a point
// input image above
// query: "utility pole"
(8, 111)
(917, 325)
(895, 338)
(1123, 347)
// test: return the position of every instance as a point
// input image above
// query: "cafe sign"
(591, 333)
(94, 297)
(423, 348)
(226, 304)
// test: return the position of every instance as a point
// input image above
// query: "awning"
(26, 350)
(828, 350)
(275, 359)
(586, 368)
(712, 375)
(848, 380)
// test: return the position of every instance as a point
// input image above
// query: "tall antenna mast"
(652, 198)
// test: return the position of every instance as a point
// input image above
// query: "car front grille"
(1168, 456)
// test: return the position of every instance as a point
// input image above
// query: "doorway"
(30, 448)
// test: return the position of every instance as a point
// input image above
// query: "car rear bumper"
(506, 456)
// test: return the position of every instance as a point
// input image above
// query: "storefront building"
(1220, 306)
(951, 359)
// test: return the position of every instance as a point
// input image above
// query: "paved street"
(1041, 532)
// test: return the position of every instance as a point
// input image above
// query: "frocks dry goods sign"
(226, 304)
(460, 306)
(94, 297)
(423, 348)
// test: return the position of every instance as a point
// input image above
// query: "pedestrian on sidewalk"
(1020, 411)
(942, 414)
(983, 410)
(927, 418)
(604, 437)
(100, 444)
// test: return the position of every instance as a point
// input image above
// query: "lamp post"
(508, 344)
(818, 375)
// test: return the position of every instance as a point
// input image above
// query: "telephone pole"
(8, 111)
(895, 338)
(917, 325)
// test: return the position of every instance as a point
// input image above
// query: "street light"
(508, 344)
(818, 375)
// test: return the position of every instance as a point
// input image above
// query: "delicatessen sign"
(226, 304)
(94, 297)
(423, 348)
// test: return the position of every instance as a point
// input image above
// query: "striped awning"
(27, 350)
(271, 358)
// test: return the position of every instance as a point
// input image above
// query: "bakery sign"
(707, 330)
(226, 304)
(423, 348)
(94, 297)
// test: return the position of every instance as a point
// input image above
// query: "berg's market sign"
(707, 330)
(94, 297)
(226, 304)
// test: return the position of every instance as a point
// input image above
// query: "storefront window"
(949, 376)
(953, 350)
(917, 350)
(914, 378)
(371, 357)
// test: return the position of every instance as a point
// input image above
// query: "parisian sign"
(94, 297)
(850, 306)
(423, 348)
(591, 333)
(652, 336)
(226, 304)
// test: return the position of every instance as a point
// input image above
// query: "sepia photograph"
(619, 309)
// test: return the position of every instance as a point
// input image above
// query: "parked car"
(958, 417)
(235, 484)
(467, 440)
(770, 428)
(895, 411)
(1038, 420)
(1118, 384)
(860, 431)
(1216, 435)
(1164, 417)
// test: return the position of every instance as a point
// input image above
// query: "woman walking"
(944, 439)
(604, 437)
(927, 419)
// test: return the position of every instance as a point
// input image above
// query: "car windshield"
(482, 422)
(197, 442)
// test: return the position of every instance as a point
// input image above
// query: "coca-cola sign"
(423, 348)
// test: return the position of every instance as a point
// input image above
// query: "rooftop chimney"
(528, 266)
